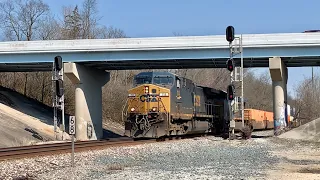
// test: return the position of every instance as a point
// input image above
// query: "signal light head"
(230, 65)
(58, 62)
(230, 92)
(59, 88)
(230, 34)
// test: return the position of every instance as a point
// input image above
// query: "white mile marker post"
(72, 131)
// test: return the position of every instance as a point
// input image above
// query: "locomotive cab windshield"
(142, 79)
(163, 80)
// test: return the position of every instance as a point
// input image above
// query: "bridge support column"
(88, 99)
(279, 76)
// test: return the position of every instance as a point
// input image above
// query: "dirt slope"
(309, 131)
(23, 121)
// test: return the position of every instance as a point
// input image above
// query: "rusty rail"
(65, 147)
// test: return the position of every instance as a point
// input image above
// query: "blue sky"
(146, 18)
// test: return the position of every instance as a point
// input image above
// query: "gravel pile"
(309, 131)
(199, 158)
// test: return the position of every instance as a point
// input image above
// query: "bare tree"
(83, 23)
(49, 29)
(89, 19)
(72, 24)
(308, 99)
(111, 33)
(9, 16)
(32, 12)
(20, 20)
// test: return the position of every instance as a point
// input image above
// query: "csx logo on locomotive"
(148, 98)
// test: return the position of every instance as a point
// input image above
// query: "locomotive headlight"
(132, 109)
(163, 94)
(146, 89)
(154, 109)
(132, 95)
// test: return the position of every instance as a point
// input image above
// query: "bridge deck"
(297, 49)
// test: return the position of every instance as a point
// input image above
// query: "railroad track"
(65, 147)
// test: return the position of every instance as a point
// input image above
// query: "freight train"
(163, 104)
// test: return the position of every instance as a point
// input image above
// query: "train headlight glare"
(132, 109)
(154, 109)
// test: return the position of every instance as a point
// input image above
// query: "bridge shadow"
(29, 106)
(259, 136)
(109, 134)
(266, 134)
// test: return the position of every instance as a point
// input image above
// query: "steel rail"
(60, 144)
(57, 148)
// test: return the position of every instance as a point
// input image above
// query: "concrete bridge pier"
(279, 76)
(88, 99)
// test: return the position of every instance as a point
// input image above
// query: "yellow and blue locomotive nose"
(147, 99)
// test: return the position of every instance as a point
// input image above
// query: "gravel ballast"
(198, 158)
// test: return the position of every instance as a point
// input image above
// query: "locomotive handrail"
(209, 109)
(125, 110)
(165, 109)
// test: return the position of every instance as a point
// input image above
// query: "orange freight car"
(256, 119)
(259, 119)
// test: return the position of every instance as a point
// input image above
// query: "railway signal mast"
(58, 94)
(236, 75)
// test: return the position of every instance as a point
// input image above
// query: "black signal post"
(59, 91)
(235, 46)
(230, 67)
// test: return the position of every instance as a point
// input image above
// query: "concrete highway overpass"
(295, 49)
(86, 62)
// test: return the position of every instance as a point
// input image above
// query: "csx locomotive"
(162, 104)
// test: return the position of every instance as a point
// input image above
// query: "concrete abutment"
(279, 76)
(88, 99)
